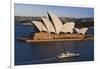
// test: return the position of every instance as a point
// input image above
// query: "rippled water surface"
(46, 52)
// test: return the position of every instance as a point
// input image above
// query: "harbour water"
(46, 52)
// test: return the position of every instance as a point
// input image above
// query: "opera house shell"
(51, 26)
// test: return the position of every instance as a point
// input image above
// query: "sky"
(61, 11)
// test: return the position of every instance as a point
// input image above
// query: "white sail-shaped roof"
(68, 27)
(82, 30)
(56, 22)
(39, 25)
(48, 25)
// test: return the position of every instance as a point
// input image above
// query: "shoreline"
(53, 40)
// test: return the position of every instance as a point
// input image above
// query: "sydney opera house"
(52, 28)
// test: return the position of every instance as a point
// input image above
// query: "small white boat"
(68, 54)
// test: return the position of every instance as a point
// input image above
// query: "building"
(51, 27)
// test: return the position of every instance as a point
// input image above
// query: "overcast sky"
(62, 11)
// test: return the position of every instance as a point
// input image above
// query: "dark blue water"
(45, 52)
